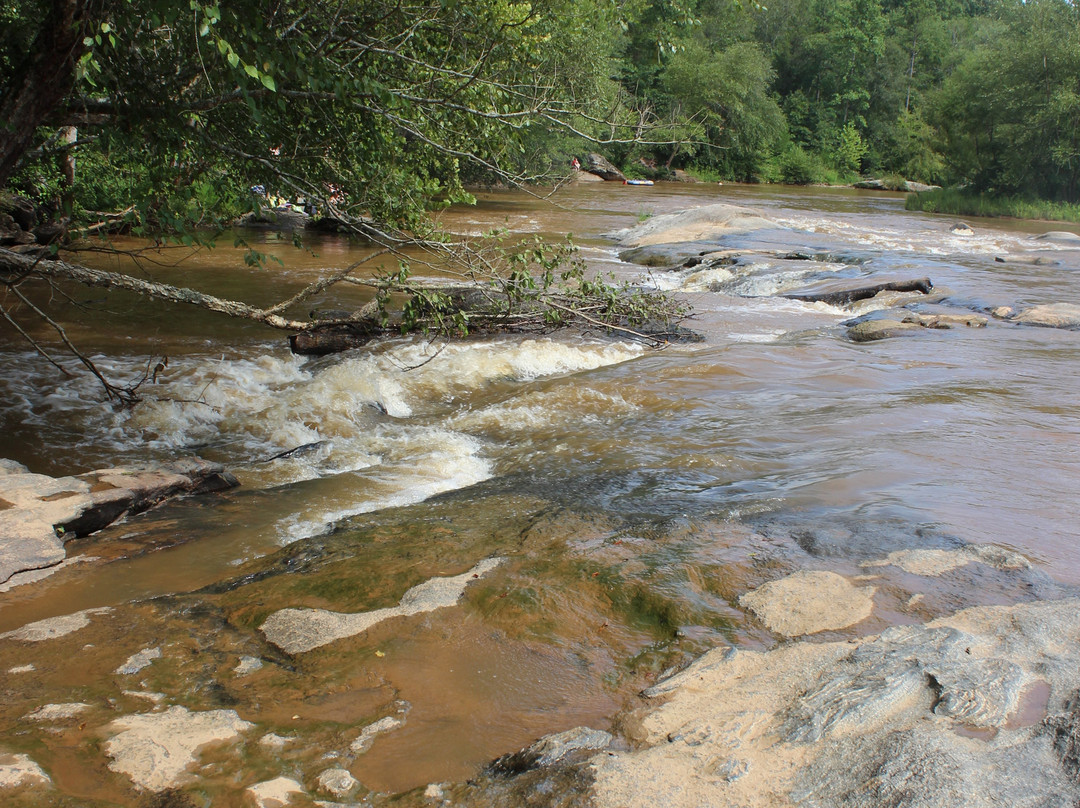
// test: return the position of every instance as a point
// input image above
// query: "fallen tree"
(370, 111)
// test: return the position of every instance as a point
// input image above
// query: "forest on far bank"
(170, 112)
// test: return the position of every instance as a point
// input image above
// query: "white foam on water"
(691, 280)
(418, 463)
(538, 410)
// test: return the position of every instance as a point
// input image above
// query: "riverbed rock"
(1060, 237)
(1050, 315)
(704, 224)
(276, 793)
(17, 771)
(881, 328)
(337, 782)
(298, 630)
(52, 627)
(932, 562)
(973, 709)
(50, 713)
(961, 229)
(369, 733)
(597, 164)
(39, 513)
(32, 505)
(844, 291)
(1030, 260)
(139, 660)
(552, 749)
(156, 749)
(906, 323)
(808, 602)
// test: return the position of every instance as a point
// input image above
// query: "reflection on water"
(637, 493)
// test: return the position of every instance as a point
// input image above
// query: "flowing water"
(633, 493)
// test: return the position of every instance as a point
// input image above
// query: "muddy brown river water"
(633, 493)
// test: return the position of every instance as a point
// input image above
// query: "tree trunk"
(41, 83)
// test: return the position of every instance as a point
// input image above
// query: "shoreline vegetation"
(960, 202)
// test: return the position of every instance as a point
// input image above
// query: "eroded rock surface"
(938, 715)
(1050, 315)
(808, 602)
(38, 513)
(299, 630)
(704, 224)
(156, 749)
(53, 627)
(17, 771)
(276, 793)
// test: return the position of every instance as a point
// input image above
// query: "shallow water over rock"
(634, 496)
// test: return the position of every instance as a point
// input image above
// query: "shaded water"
(636, 494)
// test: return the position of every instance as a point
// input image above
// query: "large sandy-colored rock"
(38, 513)
(299, 630)
(17, 771)
(156, 749)
(808, 602)
(975, 709)
(706, 223)
(52, 627)
(32, 504)
(932, 563)
(276, 793)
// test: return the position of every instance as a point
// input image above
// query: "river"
(633, 493)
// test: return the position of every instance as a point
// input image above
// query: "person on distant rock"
(574, 164)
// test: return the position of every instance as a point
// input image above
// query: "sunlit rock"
(299, 630)
(156, 749)
(19, 770)
(53, 627)
(931, 563)
(808, 602)
(978, 708)
(139, 660)
(276, 793)
(338, 782)
(704, 224)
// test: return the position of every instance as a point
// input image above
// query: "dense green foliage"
(984, 93)
(381, 109)
(968, 203)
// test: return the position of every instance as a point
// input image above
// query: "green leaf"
(233, 58)
(252, 71)
(268, 82)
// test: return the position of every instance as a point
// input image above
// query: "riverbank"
(964, 203)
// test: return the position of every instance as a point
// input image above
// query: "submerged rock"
(932, 562)
(933, 716)
(298, 630)
(371, 731)
(705, 224)
(156, 749)
(809, 602)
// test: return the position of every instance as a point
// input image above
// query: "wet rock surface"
(39, 513)
(706, 225)
(809, 602)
